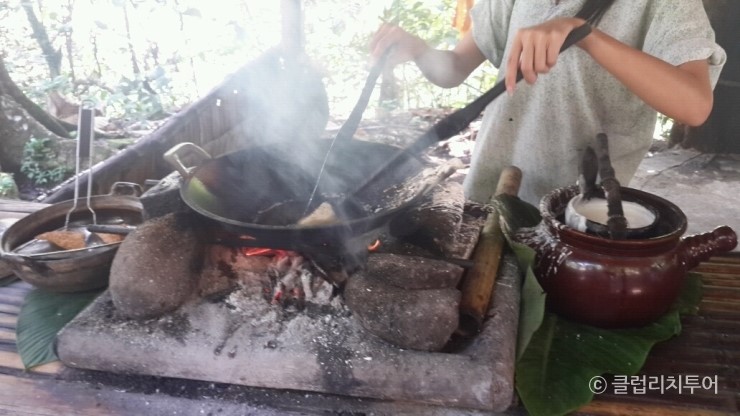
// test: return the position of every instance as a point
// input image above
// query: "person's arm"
(682, 92)
(443, 68)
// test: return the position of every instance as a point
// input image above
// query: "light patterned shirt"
(543, 128)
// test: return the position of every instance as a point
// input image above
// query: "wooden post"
(293, 38)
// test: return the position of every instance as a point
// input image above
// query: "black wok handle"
(460, 119)
(348, 129)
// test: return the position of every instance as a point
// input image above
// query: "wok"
(260, 192)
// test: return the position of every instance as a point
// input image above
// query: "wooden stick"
(616, 223)
(478, 284)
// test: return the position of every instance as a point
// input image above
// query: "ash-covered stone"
(414, 319)
(436, 222)
(156, 268)
(411, 272)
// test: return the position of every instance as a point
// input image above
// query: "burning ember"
(281, 277)
(269, 252)
(374, 246)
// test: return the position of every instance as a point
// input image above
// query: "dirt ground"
(705, 186)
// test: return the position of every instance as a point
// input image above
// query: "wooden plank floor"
(708, 347)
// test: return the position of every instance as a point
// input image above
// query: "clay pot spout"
(697, 248)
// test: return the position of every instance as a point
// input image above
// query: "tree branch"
(53, 56)
(47, 120)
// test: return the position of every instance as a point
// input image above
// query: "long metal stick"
(85, 135)
(348, 129)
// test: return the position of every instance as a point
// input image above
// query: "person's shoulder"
(667, 9)
(651, 12)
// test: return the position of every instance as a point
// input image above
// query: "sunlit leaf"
(532, 311)
(41, 317)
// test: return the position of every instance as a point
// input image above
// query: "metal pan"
(82, 269)
(261, 191)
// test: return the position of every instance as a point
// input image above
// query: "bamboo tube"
(478, 284)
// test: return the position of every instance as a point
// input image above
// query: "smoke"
(283, 116)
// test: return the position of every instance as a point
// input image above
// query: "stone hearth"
(319, 350)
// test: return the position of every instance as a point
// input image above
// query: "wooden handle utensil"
(477, 288)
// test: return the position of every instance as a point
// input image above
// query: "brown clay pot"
(616, 283)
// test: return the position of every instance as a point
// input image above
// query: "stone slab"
(322, 350)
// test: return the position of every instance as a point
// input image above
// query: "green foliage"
(39, 163)
(42, 316)
(147, 70)
(8, 188)
(133, 101)
(432, 21)
(664, 125)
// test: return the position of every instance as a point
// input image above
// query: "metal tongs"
(348, 129)
(85, 135)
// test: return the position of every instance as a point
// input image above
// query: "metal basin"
(68, 270)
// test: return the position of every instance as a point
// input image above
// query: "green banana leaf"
(553, 374)
(41, 317)
(557, 358)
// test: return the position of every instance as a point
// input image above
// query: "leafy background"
(193, 46)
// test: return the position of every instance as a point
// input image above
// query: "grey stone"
(156, 268)
(414, 319)
(435, 223)
(413, 272)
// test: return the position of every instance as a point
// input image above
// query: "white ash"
(285, 280)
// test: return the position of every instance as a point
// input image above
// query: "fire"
(267, 252)
(374, 246)
(290, 279)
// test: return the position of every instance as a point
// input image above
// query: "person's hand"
(535, 49)
(407, 47)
